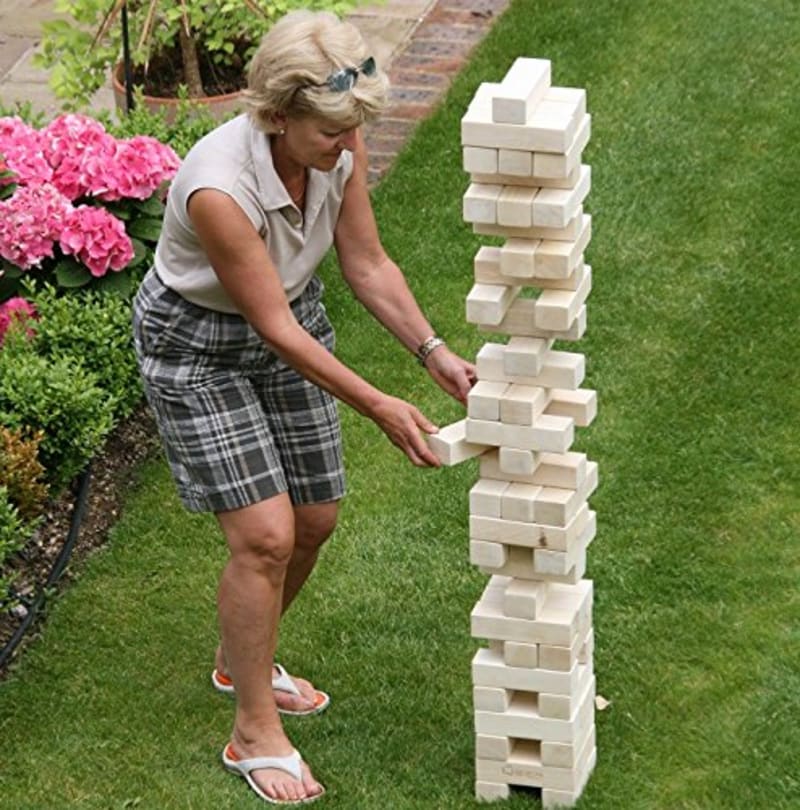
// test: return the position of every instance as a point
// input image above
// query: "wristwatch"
(427, 346)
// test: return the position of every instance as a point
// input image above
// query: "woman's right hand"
(404, 425)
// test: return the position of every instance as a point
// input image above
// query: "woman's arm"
(250, 279)
(380, 285)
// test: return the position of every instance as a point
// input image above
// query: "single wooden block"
(513, 460)
(524, 356)
(490, 698)
(518, 258)
(557, 309)
(563, 755)
(485, 497)
(574, 96)
(490, 791)
(450, 444)
(555, 207)
(483, 399)
(518, 501)
(563, 658)
(480, 203)
(514, 161)
(524, 598)
(557, 622)
(496, 646)
(529, 535)
(480, 159)
(566, 470)
(485, 553)
(568, 233)
(484, 432)
(579, 404)
(522, 404)
(555, 165)
(489, 669)
(488, 303)
(515, 206)
(559, 258)
(519, 654)
(489, 747)
(521, 89)
(552, 126)
(586, 652)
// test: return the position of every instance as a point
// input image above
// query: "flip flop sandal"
(282, 682)
(289, 764)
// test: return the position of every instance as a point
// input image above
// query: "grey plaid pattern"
(238, 425)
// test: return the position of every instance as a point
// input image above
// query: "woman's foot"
(292, 695)
(275, 777)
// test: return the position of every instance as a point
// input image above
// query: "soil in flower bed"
(131, 443)
(163, 76)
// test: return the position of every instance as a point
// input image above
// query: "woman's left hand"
(452, 374)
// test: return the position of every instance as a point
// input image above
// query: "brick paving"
(423, 71)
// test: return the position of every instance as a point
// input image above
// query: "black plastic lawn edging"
(56, 571)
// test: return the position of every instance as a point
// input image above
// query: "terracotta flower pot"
(218, 106)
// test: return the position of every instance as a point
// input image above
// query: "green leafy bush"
(21, 471)
(12, 537)
(93, 330)
(58, 396)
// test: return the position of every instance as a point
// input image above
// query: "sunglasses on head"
(344, 78)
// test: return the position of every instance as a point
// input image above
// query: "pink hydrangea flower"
(141, 164)
(22, 147)
(30, 220)
(81, 154)
(97, 239)
(14, 309)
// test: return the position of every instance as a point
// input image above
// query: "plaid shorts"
(238, 425)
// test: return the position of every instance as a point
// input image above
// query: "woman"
(235, 351)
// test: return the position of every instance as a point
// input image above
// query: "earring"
(281, 132)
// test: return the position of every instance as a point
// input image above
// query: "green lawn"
(693, 322)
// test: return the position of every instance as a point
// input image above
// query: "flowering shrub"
(76, 203)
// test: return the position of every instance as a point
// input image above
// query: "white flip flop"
(282, 682)
(289, 764)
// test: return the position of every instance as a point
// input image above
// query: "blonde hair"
(301, 51)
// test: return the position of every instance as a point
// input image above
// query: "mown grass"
(691, 343)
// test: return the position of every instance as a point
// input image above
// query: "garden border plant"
(67, 367)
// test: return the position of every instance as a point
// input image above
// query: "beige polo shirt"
(236, 158)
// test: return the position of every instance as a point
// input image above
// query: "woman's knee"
(260, 536)
(314, 524)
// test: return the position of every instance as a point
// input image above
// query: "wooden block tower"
(530, 523)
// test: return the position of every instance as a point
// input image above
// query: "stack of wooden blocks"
(530, 523)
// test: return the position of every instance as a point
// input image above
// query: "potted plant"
(178, 48)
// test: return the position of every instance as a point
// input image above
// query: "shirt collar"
(271, 191)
